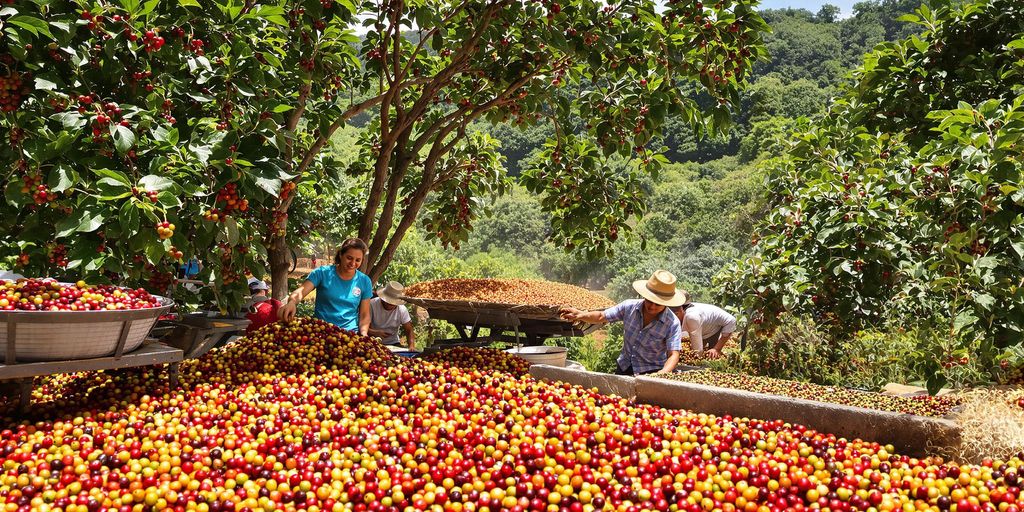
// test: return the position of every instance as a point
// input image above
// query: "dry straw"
(992, 426)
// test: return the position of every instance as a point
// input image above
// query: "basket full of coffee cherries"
(50, 320)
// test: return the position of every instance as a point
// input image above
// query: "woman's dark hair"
(684, 307)
(351, 243)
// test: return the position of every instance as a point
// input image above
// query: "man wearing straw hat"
(388, 314)
(652, 337)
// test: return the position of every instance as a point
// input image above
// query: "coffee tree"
(872, 222)
(142, 134)
(605, 76)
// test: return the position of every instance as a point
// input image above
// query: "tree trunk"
(277, 253)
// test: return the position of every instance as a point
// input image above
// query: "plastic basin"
(554, 356)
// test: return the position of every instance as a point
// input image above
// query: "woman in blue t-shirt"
(343, 293)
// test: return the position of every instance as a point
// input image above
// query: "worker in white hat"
(652, 336)
(261, 309)
(388, 313)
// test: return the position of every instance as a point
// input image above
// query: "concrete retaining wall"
(909, 434)
(606, 384)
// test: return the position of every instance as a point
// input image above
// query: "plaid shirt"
(645, 349)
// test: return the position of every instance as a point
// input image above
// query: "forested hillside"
(703, 205)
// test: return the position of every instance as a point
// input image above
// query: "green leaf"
(154, 182)
(70, 120)
(202, 152)
(271, 185)
(129, 218)
(34, 25)
(282, 108)
(45, 84)
(986, 301)
(271, 13)
(14, 195)
(124, 137)
(935, 382)
(168, 135)
(84, 220)
(231, 230)
(94, 263)
(169, 199)
(63, 26)
(148, 7)
(1018, 247)
(155, 250)
(190, 3)
(130, 5)
(55, 147)
(964, 319)
(201, 98)
(62, 178)
(115, 176)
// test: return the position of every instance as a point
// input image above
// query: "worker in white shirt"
(710, 327)
(388, 314)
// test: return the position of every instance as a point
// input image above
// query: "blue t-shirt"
(192, 268)
(337, 299)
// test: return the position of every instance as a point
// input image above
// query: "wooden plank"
(209, 340)
(149, 354)
(12, 335)
(119, 349)
(508, 321)
(231, 324)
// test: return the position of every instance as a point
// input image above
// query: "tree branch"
(352, 111)
(459, 119)
(403, 158)
(293, 121)
(388, 140)
(397, 38)
(457, 62)
(417, 199)
(430, 34)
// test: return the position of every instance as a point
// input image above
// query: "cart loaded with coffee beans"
(514, 311)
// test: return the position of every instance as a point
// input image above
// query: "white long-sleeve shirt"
(705, 320)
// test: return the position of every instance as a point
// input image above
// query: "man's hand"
(713, 354)
(570, 314)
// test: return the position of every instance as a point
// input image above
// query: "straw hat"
(661, 289)
(391, 293)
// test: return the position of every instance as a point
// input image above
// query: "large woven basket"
(66, 335)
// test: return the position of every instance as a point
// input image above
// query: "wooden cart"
(507, 323)
(198, 334)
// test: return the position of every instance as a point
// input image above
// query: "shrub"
(796, 350)
(904, 201)
(606, 360)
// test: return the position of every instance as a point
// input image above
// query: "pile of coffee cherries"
(342, 425)
(938, 406)
(50, 295)
(483, 359)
